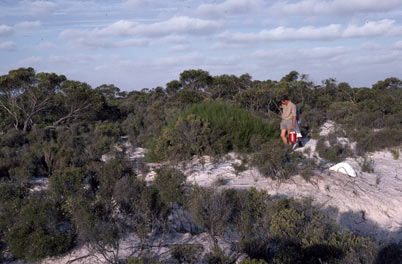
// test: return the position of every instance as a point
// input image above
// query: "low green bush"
(370, 141)
(329, 149)
(37, 232)
(290, 231)
(253, 261)
(170, 184)
(67, 182)
(218, 256)
(211, 128)
(390, 254)
(187, 253)
(273, 160)
(142, 260)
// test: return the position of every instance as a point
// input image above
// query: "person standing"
(288, 118)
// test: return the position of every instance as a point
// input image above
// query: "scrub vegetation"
(57, 129)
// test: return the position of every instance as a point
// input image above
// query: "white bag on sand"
(344, 168)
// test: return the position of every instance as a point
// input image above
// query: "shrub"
(211, 209)
(329, 149)
(390, 254)
(275, 162)
(211, 128)
(370, 141)
(37, 233)
(218, 256)
(187, 253)
(68, 182)
(142, 260)
(290, 231)
(342, 112)
(189, 136)
(253, 261)
(11, 200)
(170, 184)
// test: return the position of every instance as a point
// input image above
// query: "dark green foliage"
(170, 185)
(390, 254)
(330, 149)
(68, 182)
(369, 141)
(11, 200)
(187, 253)
(286, 231)
(238, 124)
(73, 125)
(195, 79)
(211, 209)
(253, 261)
(211, 128)
(274, 160)
(142, 260)
(38, 231)
(218, 256)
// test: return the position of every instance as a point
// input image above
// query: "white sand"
(370, 204)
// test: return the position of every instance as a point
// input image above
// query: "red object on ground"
(292, 137)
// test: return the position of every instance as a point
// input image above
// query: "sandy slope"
(370, 204)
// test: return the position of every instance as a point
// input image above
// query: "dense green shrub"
(253, 261)
(369, 141)
(142, 260)
(187, 253)
(288, 231)
(330, 149)
(390, 254)
(218, 256)
(211, 128)
(189, 136)
(67, 183)
(11, 200)
(273, 160)
(170, 184)
(39, 230)
(211, 209)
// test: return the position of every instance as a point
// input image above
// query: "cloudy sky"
(137, 44)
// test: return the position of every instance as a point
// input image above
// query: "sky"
(136, 44)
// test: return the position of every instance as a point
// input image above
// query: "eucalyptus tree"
(24, 94)
(76, 100)
(196, 80)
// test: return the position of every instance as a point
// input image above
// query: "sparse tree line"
(58, 129)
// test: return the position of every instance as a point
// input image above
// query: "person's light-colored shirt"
(289, 111)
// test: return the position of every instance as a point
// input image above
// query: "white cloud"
(123, 28)
(333, 7)
(46, 45)
(230, 7)
(78, 59)
(285, 33)
(27, 25)
(41, 8)
(139, 3)
(32, 61)
(384, 27)
(373, 28)
(301, 55)
(8, 46)
(174, 39)
(5, 30)
(180, 25)
(95, 43)
(132, 42)
(398, 44)
(179, 48)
